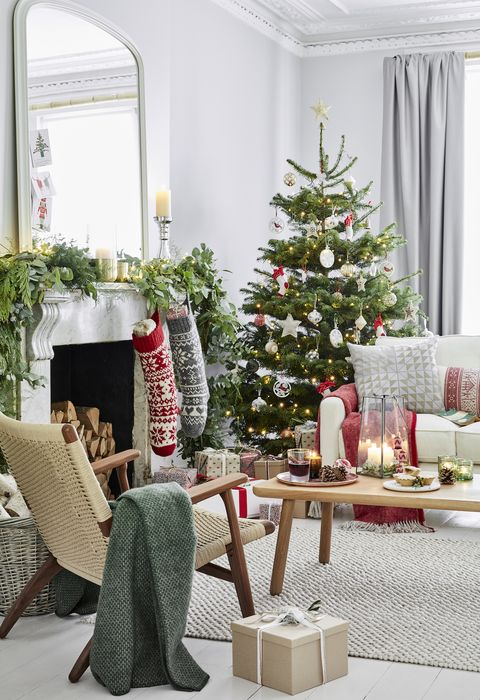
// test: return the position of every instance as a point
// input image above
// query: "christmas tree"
(330, 282)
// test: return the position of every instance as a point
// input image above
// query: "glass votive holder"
(315, 464)
(107, 269)
(299, 465)
(464, 469)
(447, 469)
(122, 271)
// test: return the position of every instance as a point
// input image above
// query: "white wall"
(221, 116)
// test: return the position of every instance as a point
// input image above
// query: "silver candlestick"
(163, 223)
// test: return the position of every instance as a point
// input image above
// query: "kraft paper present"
(215, 463)
(305, 435)
(293, 657)
(270, 466)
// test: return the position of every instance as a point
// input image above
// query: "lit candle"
(104, 254)
(164, 204)
(374, 454)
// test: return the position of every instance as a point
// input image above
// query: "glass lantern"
(383, 445)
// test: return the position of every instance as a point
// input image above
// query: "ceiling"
(315, 27)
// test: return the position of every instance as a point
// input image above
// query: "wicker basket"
(22, 552)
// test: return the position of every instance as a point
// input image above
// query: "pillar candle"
(104, 254)
(164, 204)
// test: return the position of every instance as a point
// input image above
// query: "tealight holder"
(464, 469)
(106, 269)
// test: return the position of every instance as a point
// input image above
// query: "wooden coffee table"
(464, 495)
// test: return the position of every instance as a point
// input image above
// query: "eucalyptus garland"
(25, 277)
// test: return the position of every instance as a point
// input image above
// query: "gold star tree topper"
(321, 110)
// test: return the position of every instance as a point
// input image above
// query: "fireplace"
(83, 350)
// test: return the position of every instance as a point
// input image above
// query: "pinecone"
(341, 472)
(327, 473)
(448, 475)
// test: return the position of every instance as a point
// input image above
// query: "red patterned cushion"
(462, 389)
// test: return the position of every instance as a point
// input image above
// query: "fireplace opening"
(99, 375)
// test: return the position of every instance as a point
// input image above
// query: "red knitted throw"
(379, 515)
(157, 368)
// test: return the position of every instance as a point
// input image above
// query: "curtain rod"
(471, 54)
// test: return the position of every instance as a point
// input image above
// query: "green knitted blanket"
(145, 594)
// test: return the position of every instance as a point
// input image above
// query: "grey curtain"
(422, 176)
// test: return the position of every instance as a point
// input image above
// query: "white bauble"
(390, 299)
(348, 269)
(282, 388)
(327, 258)
(331, 222)
(276, 225)
(337, 298)
(372, 270)
(336, 337)
(314, 317)
(387, 268)
(271, 347)
(312, 355)
(360, 322)
(290, 179)
(258, 404)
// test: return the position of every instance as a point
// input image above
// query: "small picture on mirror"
(41, 213)
(42, 185)
(40, 151)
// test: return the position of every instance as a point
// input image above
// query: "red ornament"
(379, 327)
(259, 320)
(324, 388)
(280, 277)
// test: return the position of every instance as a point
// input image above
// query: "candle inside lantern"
(464, 469)
(164, 204)
(375, 454)
(104, 254)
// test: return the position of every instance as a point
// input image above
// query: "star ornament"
(321, 110)
(289, 326)
(361, 283)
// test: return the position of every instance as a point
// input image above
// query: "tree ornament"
(252, 365)
(426, 333)
(411, 312)
(289, 326)
(336, 337)
(282, 388)
(331, 222)
(312, 355)
(321, 110)
(390, 299)
(356, 336)
(311, 229)
(349, 180)
(327, 257)
(361, 283)
(287, 434)
(271, 347)
(387, 268)
(325, 388)
(372, 270)
(258, 404)
(259, 320)
(348, 269)
(280, 277)
(348, 223)
(360, 322)
(315, 316)
(379, 327)
(337, 298)
(276, 225)
(289, 179)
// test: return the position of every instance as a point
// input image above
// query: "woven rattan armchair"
(74, 519)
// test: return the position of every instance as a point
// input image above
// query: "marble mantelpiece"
(70, 319)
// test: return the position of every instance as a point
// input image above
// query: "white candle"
(375, 454)
(104, 254)
(164, 203)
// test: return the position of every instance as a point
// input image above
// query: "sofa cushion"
(403, 369)
(468, 442)
(435, 436)
(462, 389)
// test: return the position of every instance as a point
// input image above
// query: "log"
(53, 417)
(90, 417)
(68, 410)
(59, 416)
(109, 430)
(92, 447)
(88, 435)
(102, 430)
(80, 431)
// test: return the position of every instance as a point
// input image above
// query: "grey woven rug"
(409, 598)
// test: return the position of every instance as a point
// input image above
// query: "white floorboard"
(37, 655)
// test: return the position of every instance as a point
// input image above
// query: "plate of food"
(413, 482)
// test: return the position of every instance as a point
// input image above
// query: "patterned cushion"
(407, 370)
(462, 389)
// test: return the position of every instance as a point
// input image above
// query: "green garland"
(25, 277)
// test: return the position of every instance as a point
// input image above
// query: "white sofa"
(435, 435)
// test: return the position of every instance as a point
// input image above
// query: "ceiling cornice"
(271, 26)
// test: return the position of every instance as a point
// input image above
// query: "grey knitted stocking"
(190, 370)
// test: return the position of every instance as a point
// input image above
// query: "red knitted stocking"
(157, 368)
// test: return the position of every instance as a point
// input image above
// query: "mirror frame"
(21, 111)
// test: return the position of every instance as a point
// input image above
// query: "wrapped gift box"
(301, 508)
(248, 456)
(270, 510)
(305, 435)
(270, 466)
(184, 477)
(215, 463)
(246, 503)
(291, 656)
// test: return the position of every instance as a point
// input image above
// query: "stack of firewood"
(95, 435)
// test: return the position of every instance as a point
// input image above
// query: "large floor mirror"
(80, 130)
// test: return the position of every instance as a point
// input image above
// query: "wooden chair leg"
(43, 576)
(236, 557)
(81, 664)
